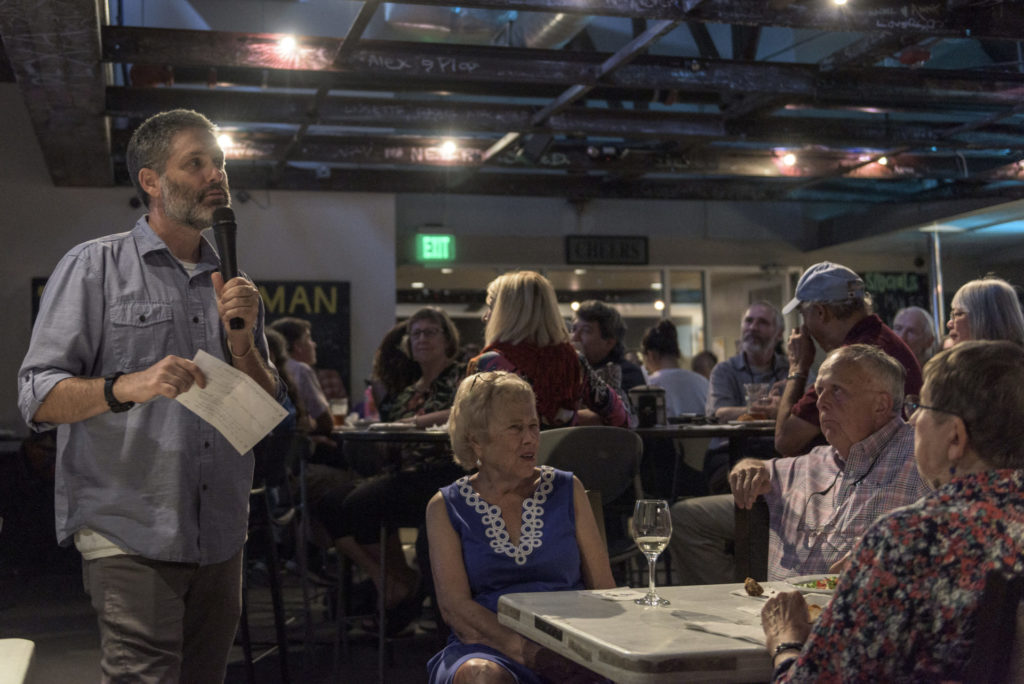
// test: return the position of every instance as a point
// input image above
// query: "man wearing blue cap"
(836, 312)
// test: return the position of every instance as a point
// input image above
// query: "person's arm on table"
(426, 420)
(793, 433)
(786, 626)
(596, 570)
(748, 480)
(471, 622)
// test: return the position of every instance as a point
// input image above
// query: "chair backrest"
(996, 656)
(605, 459)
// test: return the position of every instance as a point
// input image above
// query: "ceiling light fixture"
(884, 161)
(416, 285)
(655, 286)
(448, 149)
(839, 2)
(580, 271)
(287, 45)
(225, 141)
(447, 271)
(659, 305)
(789, 159)
(575, 306)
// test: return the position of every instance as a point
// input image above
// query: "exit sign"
(432, 248)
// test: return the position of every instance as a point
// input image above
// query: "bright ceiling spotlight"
(287, 45)
(447, 271)
(839, 2)
(659, 305)
(448, 148)
(416, 285)
(655, 286)
(583, 271)
(575, 306)
(225, 141)
(884, 161)
(789, 159)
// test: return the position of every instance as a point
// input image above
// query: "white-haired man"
(820, 503)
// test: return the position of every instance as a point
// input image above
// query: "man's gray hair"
(150, 145)
(889, 372)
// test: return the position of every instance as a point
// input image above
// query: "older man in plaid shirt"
(820, 503)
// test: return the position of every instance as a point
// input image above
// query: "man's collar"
(864, 452)
(149, 241)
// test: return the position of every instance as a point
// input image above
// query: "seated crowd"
(846, 479)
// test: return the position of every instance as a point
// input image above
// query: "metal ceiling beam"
(387, 65)
(255, 176)
(418, 116)
(54, 51)
(1003, 20)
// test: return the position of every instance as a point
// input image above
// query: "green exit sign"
(435, 248)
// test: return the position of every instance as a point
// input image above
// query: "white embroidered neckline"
(531, 529)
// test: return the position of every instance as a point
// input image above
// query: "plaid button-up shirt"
(821, 505)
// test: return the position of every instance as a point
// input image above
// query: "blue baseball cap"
(826, 282)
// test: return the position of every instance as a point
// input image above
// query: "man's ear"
(149, 180)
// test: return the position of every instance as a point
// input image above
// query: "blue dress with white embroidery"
(547, 558)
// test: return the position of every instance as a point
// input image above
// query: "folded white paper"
(233, 403)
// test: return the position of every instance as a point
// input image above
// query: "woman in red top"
(527, 335)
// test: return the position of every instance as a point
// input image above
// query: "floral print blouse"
(905, 608)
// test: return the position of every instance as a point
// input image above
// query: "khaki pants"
(164, 622)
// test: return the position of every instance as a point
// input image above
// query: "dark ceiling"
(880, 102)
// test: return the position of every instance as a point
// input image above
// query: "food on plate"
(752, 587)
(747, 417)
(813, 612)
(825, 582)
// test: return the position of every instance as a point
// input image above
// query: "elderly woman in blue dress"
(511, 526)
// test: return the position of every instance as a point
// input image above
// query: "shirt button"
(205, 488)
(206, 444)
(195, 319)
(142, 317)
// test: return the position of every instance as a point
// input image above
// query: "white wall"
(298, 236)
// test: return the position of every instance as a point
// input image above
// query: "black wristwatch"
(108, 393)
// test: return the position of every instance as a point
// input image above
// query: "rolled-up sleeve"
(65, 334)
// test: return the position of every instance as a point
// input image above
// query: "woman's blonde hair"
(476, 400)
(524, 308)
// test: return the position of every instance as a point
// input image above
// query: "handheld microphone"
(224, 230)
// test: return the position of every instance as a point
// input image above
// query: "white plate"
(391, 427)
(797, 581)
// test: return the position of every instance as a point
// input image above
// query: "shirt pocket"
(142, 333)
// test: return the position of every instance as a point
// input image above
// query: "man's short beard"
(756, 345)
(184, 206)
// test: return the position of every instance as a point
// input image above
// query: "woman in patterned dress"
(509, 527)
(905, 608)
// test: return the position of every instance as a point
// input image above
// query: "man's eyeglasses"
(913, 402)
(425, 333)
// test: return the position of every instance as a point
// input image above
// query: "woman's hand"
(784, 618)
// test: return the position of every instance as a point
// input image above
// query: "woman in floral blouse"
(905, 608)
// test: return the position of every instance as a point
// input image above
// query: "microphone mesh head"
(223, 215)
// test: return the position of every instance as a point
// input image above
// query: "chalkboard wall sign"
(891, 291)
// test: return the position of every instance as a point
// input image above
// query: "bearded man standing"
(155, 498)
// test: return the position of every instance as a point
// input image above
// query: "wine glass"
(651, 527)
